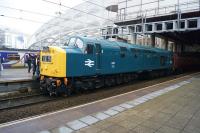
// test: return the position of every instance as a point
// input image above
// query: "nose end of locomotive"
(53, 70)
(53, 62)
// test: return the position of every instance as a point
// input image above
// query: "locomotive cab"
(77, 43)
(60, 64)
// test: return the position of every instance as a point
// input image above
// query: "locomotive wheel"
(68, 91)
(108, 82)
(99, 83)
(113, 81)
(129, 77)
(126, 79)
(90, 85)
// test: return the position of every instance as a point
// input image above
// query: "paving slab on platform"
(175, 112)
(11, 75)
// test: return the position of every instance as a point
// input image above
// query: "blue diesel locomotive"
(88, 63)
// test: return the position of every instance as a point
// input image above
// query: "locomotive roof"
(117, 44)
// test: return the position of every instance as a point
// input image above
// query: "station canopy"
(91, 17)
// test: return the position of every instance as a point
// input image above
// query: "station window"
(123, 51)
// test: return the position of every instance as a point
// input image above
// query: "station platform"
(168, 107)
(14, 81)
(175, 112)
(13, 75)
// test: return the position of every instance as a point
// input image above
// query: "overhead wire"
(59, 4)
(30, 20)
(72, 8)
(20, 18)
(42, 14)
(88, 1)
(28, 11)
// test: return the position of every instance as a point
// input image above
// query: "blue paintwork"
(4, 55)
(110, 60)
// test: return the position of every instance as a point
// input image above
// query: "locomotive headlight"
(41, 77)
(46, 68)
(65, 81)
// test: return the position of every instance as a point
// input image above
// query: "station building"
(10, 38)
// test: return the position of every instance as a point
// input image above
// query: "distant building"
(10, 38)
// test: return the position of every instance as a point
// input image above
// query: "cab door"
(98, 50)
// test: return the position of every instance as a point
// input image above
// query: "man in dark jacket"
(38, 66)
(0, 66)
(29, 62)
(34, 64)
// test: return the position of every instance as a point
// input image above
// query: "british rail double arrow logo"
(89, 63)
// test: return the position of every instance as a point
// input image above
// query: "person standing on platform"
(34, 64)
(1, 66)
(29, 62)
(38, 66)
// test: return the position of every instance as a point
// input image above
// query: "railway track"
(31, 99)
(18, 85)
(17, 102)
(27, 106)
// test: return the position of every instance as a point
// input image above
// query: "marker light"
(58, 82)
(41, 77)
(65, 81)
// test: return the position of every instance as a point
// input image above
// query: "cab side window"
(89, 49)
(72, 42)
(79, 43)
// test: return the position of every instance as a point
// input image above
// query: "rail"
(22, 101)
(18, 85)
